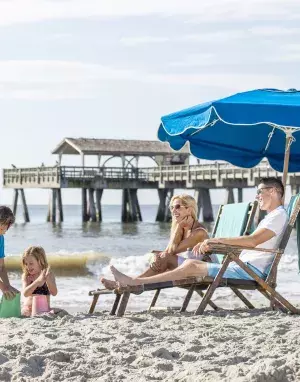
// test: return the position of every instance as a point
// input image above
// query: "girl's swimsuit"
(44, 290)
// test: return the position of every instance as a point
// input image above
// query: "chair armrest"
(224, 249)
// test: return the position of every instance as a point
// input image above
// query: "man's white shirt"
(275, 221)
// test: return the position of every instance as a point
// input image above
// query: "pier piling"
(130, 206)
(24, 204)
(163, 213)
(99, 192)
(84, 211)
(202, 196)
(91, 206)
(229, 197)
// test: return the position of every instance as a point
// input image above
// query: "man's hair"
(6, 216)
(273, 182)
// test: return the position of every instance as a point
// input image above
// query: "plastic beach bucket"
(39, 304)
(10, 308)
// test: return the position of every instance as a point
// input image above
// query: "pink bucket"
(39, 304)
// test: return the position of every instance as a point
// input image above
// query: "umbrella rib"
(270, 136)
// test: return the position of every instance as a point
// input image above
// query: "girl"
(37, 278)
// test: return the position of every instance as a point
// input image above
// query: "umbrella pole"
(288, 142)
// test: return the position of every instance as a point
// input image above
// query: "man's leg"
(189, 268)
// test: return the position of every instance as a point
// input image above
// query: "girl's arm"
(28, 288)
(51, 283)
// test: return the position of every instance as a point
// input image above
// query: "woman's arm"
(51, 283)
(175, 239)
(196, 236)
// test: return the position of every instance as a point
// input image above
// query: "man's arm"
(3, 273)
(258, 237)
(8, 291)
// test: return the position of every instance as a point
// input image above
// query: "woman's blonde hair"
(38, 253)
(187, 201)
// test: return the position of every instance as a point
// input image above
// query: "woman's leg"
(165, 263)
(189, 268)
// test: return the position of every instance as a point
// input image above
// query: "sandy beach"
(162, 346)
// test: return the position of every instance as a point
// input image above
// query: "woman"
(186, 232)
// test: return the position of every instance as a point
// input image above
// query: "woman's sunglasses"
(176, 207)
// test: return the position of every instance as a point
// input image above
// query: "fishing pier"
(171, 171)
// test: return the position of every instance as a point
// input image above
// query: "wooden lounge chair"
(231, 253)
(232, 220)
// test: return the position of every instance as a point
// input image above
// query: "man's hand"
(204, 247)
(9, 292)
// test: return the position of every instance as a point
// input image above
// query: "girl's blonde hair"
(38, 253)
(187, 201)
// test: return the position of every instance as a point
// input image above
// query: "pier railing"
(62, 176)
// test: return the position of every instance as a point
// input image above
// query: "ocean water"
(84, 251)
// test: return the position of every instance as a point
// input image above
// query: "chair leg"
(93, 304)
(123, 304)
(115, 305)
(243, 298)
(153, 302)
(273, 294)
(213, 286)
(210, 303)
(273, 302)
(187, 298)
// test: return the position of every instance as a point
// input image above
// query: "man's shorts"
(233, 271)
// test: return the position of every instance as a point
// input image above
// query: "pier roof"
(91, 146)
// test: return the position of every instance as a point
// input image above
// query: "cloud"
(28, 11)
(46, 80)
(274, 31)
(291, 58)
(133, 41)
(191, 60)
(232, 80)
(54, 79)
(215, 37)
(285, 54)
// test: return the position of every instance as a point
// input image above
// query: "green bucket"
(10, 308)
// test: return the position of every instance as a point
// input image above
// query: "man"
(267, 235)
(6, 220)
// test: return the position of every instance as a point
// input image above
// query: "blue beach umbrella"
(241, 129)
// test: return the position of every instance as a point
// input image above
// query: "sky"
(112, 68)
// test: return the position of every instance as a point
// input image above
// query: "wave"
(90, 263)
(66, 264)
